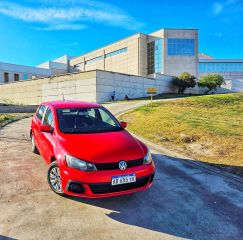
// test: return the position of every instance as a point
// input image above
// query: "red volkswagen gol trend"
(88, 151)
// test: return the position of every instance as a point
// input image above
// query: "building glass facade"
(220, 67)
(111, 54)
(154, 56)
(25, 76)
(94, 59)
(181, 47)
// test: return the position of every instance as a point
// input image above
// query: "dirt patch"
(200, 149)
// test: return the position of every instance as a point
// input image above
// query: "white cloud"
(69, 14)
(219, 7)
(61, 26)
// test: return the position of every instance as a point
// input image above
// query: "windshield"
(86, 120)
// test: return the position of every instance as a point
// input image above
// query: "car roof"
(70, 104)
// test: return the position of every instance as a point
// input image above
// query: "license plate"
(123, 179)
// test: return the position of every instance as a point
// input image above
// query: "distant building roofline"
(138, 33)
(221, 60)
(21, 65)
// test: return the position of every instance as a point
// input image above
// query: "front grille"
(115, 165)
(101, 188)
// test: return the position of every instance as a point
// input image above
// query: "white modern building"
(13, 72)
(57, 66)
(167, 52)
(230, 69)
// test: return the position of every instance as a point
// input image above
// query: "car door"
(48, 139)
(36, 122)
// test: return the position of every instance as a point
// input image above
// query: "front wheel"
(33, 147)
(54, 178)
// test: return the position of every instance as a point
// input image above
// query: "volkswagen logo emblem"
(122, 165)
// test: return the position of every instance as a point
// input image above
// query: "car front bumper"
(98, 184)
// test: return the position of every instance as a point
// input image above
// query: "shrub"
(184, 81)
(211, 81)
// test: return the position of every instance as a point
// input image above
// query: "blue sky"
(34, 31)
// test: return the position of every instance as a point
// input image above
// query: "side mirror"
(46, 128)
(123, 124)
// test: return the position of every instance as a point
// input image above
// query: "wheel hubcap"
(55, 179)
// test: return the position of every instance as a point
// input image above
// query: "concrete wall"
(230, 86)
(133, 86)
(18, 109)
(226, 75)
(80, 86)
(237, 85)
(92, 86)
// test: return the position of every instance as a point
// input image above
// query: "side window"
(40, 112)
(106, 118)
(48, 119)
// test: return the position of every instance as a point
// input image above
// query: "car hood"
(103, 147)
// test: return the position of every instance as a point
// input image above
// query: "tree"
(184, 81)
(211, 81)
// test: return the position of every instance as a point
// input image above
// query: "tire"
(34, 148)
(54, 178)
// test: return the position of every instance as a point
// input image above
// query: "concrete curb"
(18, 109)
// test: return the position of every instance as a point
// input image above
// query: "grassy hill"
(207, 128)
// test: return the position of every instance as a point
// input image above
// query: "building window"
(220, 67)
(94, 59)
(154, 56)
(181, 47)
(6, 77)
(16, 77)
(158, 56)
(25, 76)
(111, 54)
(79, 66)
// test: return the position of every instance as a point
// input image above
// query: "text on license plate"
(123, 179)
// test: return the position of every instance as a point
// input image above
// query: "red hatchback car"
(88, 151)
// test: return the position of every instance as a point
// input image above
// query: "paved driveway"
(184, 202)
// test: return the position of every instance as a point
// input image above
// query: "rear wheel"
(34, 148)
(54, 178)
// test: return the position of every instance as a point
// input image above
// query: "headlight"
(148, 158)
(76, 163)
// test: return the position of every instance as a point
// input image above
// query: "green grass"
(8, 118)
(207, 128)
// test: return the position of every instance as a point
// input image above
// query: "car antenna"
(63, 99)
